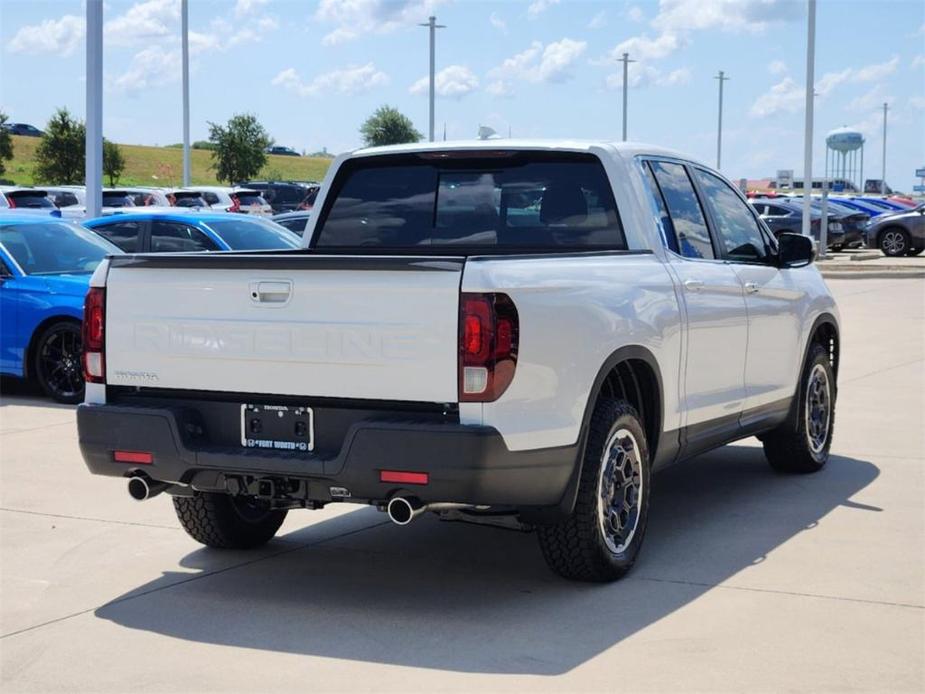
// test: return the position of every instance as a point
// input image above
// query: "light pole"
(184, 30)
(93, 168)
(719, 127)
(626, 61)
(883, 173)
(808, 126)
(433, 26)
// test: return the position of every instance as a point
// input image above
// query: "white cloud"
(918, 60)
(242, 8)
(917, 102)
(350, 80)
(635, 14)
(151, 67)
(354, 18)
(870, 100)
(454, 81)
(499, 88)
(143, 21)
(640, 75)
(539, 63)
(644, 48)
(777, 67)
(784, 97)
(729, 15)
(61, 36)
(598, 21)
(497, 22)
(538, 7)
(871, 73)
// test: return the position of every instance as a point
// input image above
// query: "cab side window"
(122, 234)
(174, 237)
(736, 227)
(687, 221)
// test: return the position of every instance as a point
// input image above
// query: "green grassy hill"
(163, 166)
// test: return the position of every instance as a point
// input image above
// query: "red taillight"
(397, 476)
(139, 457)
(488, 336)
(235, 204)
(94, 333)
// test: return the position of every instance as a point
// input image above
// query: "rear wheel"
(894, 242)
(601, 539)
(57, 362)
(802, 443)
(227, 522)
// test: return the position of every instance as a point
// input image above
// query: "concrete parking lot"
(750, 580)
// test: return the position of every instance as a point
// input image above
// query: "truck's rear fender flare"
(642, 381)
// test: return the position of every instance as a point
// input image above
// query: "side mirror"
(795, 250)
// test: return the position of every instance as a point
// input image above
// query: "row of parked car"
(895, 225)
(46, 262)
(252, 197)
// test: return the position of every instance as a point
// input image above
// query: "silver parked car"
(898, 234)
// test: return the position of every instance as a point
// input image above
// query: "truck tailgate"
(286, 324)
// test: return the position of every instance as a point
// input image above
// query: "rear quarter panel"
(575, 312)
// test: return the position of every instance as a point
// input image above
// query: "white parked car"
(232, 199)
(519, 330)
(143, 196)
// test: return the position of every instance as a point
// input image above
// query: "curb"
(873, 274)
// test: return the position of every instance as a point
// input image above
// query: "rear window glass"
(118, 200)
(245, 199)
(30, 200)
(253, 234)
(521, 200)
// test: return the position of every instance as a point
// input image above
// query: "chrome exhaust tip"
(141, 488)
(402, 510)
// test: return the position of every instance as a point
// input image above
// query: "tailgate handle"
(274, 292)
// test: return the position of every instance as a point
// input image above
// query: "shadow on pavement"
(16, 391)
(456, 597)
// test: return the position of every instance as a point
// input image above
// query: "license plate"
(278, 427)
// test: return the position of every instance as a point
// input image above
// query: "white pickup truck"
(517, 331)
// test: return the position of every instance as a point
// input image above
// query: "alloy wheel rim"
(59, 360)
(818, 409)
(893, 242)
(620, 489)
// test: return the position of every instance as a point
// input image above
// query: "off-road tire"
(217, 520)
(575, 548)
(788, 448)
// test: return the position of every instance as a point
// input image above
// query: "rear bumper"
(465, 464)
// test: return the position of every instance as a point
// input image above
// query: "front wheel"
(802, 443)
(894, 243)
(57, 364)
(227, 522)
(601, 539)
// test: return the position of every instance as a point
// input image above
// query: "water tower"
(841, 167)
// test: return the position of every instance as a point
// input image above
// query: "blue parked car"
(886, 205)
(45, 268)
(860, 205)
(172, 232)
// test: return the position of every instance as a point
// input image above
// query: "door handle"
(271, 291)
(693, 285)
(751, 288)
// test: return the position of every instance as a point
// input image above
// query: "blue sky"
(312, 71)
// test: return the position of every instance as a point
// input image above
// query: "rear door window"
(29, 199)
(123, 234)
(175, 237)
(526, 200)
(687, 220)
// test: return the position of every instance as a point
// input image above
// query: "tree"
(60, 156)
(6, 143)
(388, 126)
(239, 148)
(113, 161)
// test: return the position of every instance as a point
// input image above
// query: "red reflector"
(404, 477)
(133, 457)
